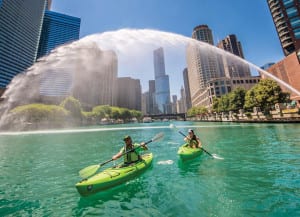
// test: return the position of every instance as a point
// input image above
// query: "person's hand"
(144, 146)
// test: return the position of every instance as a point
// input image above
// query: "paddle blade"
(88, 171)
(217, 157)
(157, 137)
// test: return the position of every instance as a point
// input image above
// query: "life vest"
(193, 141)
(132, 156)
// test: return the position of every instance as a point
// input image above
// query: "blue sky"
(250, 21)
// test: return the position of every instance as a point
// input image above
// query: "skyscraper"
(286, 17)
(20, 29)
(233, 68)
(203, 33)
(151, 103)
(203, 65)
(162, 85)
(187, 89)
(129, 93)
(57, 29)
(95, 76)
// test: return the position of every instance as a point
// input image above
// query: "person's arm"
(144, 146)
(186, 139)
(116, 156)
(199, 142)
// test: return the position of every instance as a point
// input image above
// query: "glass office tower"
(162, 84)
(20, 29)
(57, 29)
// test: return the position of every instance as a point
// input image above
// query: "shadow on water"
(192, 166)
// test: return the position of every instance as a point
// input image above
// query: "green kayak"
(113, 176)
(187, 153)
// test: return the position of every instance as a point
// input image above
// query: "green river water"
(259, 175)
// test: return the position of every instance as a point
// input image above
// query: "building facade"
(203, 64)
(162, 84)
(20, 30)
(233, 68)
(286, 17)
(90, 76)
(267, 65)
(57, 29)
(95, 76)
(129, 93)
(151, 100)
(188, 102)
(288, 70)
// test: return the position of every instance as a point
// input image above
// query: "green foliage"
(237, 99)
(40, 112)
(198, 110)
(105, 111)
(265, 95)
(221, 104)
(137, 114)
(73, 105)
(125, 114)
(99, 111)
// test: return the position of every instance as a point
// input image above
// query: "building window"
(288, 3)
(291, 12)
(297, 33)
(295, 22)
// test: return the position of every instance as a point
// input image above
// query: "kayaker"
(193, 140)
(133, 156)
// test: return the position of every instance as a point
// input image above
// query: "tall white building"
(203, 65)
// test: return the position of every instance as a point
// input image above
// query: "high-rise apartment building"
(203, 64)
(20, 29)
(203, 33)
(233, 68)
(286, 17)
(162, 84)
(57, 29)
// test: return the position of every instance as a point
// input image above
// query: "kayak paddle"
(90, 170)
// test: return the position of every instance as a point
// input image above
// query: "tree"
(265, 95)
(125, 114)
(73, 106)
(223, 105)
(99, 112)
(250, 100)
(237, 99)
(197, 110)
